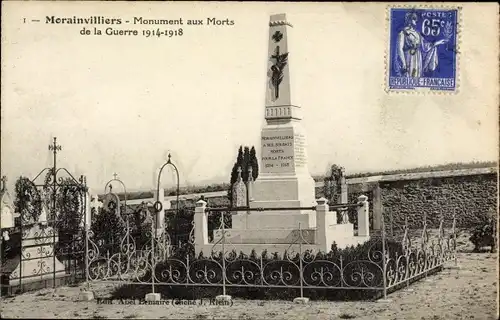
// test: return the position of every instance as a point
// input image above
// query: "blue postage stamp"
(423, 49)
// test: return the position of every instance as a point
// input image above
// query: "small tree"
(254, 163)
(246, 159)
(238, 163)
(108, 230)
(245, 164)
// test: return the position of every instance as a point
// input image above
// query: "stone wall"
(470, 192)
(469, 196)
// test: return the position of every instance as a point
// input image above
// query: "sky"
(122, 103)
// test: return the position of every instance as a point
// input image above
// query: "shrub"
(363, 259)
(108, 231)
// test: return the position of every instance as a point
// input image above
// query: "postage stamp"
(422, 49)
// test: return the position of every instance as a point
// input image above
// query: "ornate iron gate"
(46, 246)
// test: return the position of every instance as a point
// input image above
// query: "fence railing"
(384, 263)
(381, 264)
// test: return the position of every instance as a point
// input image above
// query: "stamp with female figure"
(422, 49)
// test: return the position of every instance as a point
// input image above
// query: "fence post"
(424, 245)
(88, 224)
(223, 298)
(21, 254)
(86, 232)
(153, 239)
(454, 237)
(87, 295)
(377, 207)
(127, 234)
(301, 266)
(223, 253)
(384, 260)
(407, 248)
(363, 217)
(54, 246)
(200, 226)
(301, 299)
(152, 296)
(322, 224)
(159, 195)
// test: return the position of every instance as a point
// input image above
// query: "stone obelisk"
(284, 179)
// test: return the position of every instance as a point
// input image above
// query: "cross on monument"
(115, 175)
(239, 173)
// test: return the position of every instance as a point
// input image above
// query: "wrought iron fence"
(47, 245)
(382, 264)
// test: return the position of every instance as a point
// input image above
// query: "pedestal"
(223, 298)
(284, 181)
(301, 300)
(86, 296)
(152, 297)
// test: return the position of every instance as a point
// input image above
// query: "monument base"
(283, 190)
(271, 220)
(281, 240)
(280, 191)
(269, 236)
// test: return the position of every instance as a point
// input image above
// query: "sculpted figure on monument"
(280, 61)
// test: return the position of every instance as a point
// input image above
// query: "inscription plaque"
(277, 153)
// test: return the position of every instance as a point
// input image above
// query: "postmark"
(423, 49)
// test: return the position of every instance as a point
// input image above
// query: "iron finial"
(54, 146)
